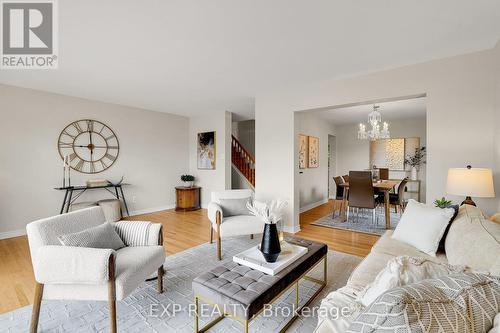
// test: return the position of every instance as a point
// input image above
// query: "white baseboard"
(313, 205)
(12, 234)
(151, 210)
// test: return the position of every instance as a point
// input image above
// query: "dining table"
(384, 186)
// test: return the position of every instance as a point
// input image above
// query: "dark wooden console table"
(79, 190)
(187, 198)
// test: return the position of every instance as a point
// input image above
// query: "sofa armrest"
(139, 233)
(213, 208)
(56, 264)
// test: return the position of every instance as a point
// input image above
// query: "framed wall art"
(313, 158)
(206, 149)
(303, 148)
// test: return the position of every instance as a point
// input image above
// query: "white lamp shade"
(474, 182)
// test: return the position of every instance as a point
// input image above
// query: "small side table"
(187, 198)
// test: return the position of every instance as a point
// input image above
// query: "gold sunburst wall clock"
(91, 146)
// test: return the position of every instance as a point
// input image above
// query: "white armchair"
(231, 226)
(80, 273)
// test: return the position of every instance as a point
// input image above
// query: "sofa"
(479, 251)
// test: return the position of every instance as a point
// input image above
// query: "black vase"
(270, 246)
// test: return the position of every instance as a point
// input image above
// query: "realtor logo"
(29, 34)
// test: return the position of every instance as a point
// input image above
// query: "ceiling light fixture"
(375, 133)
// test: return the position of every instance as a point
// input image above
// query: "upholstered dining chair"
(98, 274)
(361, 193)
(229, 225)
(396, 199)
(339, 195)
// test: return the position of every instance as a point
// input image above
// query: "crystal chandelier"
(375, 133)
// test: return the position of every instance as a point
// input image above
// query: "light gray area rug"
(363, 223)
(147, 311)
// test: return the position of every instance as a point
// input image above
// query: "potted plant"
(442, 203)
(271, 214)
(188, 180)
(415, 161)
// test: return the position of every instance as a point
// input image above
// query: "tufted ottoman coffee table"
(241, 292)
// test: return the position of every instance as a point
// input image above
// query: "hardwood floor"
(336, 239)
(180, 232)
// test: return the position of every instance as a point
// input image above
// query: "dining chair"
(345, 178)
(396, 199)
(383, 173)
(361, 193)
(339, 195)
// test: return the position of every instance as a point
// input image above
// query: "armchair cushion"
(70, 264)
(235, 207)
(102, 236)
(241, 225)
(138, 233)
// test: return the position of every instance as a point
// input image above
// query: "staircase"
(243, 161)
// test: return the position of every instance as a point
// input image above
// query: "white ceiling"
(409, 108)
(194, 57)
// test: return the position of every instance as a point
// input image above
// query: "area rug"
(147, 311)
(363, 223)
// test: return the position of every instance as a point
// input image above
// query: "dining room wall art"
(303, 148)
(206, 150)
(390, 153)
(313, 153)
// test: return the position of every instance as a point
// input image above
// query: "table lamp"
(470, 182)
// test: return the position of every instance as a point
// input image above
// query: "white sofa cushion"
(368, 269)
(102, 236)
(388, 245)
(474, 241)
(404, 270)
(241, 225)
(423, 226)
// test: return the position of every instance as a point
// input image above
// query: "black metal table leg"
(64, 201)
(124, 201)
(69, 200)
(116, 191)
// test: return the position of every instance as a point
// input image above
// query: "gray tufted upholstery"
(243, 291)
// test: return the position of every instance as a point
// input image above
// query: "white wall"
(313, 182)
(460, 121)
(354, 154)
(220, 178)
(497, 122)
(153, 154)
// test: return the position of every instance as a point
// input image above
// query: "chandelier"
(375, 133)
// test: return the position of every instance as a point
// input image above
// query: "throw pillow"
(473, 241)
(102, 236)
(422, 226)
(234, 207)
(452, 303)
(404, 270)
